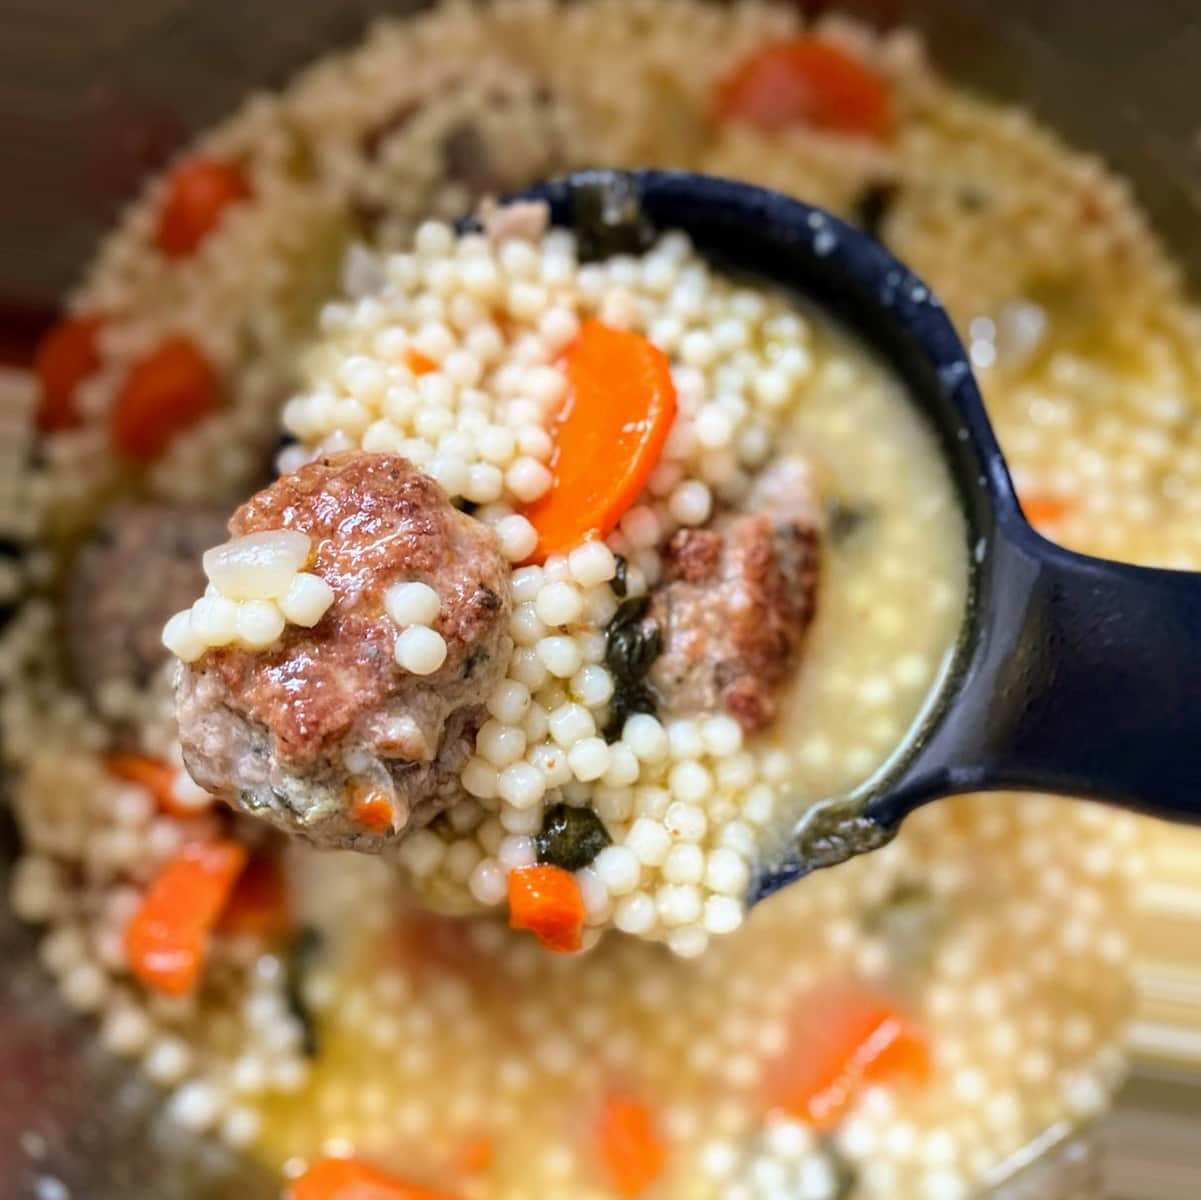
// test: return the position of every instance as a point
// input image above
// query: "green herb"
(570, 837)
(620, 584)
(608, 218)
(873, 205)
(302, 954)
(845, 521)
(632, 643)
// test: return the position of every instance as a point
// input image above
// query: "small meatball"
(304, 733)
(141, 564)
(736, 600)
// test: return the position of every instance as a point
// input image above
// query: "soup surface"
(902, 1026)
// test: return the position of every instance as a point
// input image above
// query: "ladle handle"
(1086, 681)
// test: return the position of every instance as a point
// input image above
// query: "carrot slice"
(198, 192)
(547, 901)
(844, 1039)
(163, 395)
(608, 436)
(630, 1150)
(1044, 509)
(419, 363)
(345, 1179)
(373, 811)
(804, 80)
(259, 902)
(64, 358)
(165, 939)
(476, 1156)
(156, 776)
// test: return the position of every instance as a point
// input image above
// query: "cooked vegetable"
(873, 205)
(163, 395)
(607, 219)
(373, 811)
(804, 80)
(547, 901)
(1044, 509)
(570, 837)
(419, 363)
(155, 775)
(846, 521)
(632, 644)
(629, 1148)
(844, 1038)
(65, 357)
(345, 1179)
(608, 436)
(166, 938)
(620, 584)
(305, 949)
(259, 904)
(198, 192)
(909, 922)
(476, 1156)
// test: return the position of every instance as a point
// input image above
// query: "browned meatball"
(736, 600)
(302, 733)
(141, 564)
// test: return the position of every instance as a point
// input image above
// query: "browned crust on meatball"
(734, 605)
(374, 519)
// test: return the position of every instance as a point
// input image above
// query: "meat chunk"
(736, 600)
(304, 733)
(141, 564)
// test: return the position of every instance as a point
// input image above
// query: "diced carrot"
(419, 363)
(345, 1179)
(155, 775)
(608, 435)
(164, 394)
(165, 940)
(629, 1148)
(547, 901)
(476, 1156)
(844, 1038)
(372, 809)
(259, 903)
(1044, 509)
(65, 357)
(198, 192)
(805, 80)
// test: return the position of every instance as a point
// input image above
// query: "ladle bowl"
(1072, 675)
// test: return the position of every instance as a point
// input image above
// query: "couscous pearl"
(509, 701)
(307, 600)
(560, 655)
(518, 538)
(684, 864)
(412, 603)
(522, 785)
(691, 782)
(592, 685)
(684, 740)
(722, 736)
(649, 840)
(592, 564)
(726, 872)
(487, 882)
(559, 604)
(420, 650)
(260, 623)
(196, 1106)
(641, 527)
(589, 759)
(646, 737)
(571, 723)
(619, 868)
(480, 779)
(635, 914)
(500, 744)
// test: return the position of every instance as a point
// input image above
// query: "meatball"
(141, 564)
(324, 735)
(736, 600)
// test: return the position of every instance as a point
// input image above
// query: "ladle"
(1071, 675)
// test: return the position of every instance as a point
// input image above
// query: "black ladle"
(1072, 675)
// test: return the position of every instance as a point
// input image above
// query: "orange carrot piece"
(345, 1179)
(804, 80)
(198, 192)
(547, 901)
(64, 358)
(373, 811)
(844, 1039)
(629, 1148)
(476, 1156)
(1044, 509)
(163, 395)
(419, 363)
(608, 436)
(259, 903)
(165, 940)
(156, 776)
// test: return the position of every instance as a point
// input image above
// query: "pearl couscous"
(324, 1022)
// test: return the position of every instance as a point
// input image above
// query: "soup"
(902, 1026)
